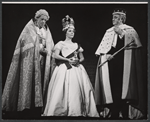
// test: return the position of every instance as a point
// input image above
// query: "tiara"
(119, 11)
(67, 22)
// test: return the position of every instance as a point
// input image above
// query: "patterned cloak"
(23, 84)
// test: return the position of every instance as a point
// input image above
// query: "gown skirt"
(70, 93)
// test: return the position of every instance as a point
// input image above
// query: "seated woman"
(70, 92)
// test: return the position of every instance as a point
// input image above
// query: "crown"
(67, 22)
(119, 11)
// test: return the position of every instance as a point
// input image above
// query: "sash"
(68, 65)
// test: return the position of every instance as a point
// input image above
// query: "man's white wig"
(41, 12)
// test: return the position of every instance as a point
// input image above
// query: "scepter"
(116, 53)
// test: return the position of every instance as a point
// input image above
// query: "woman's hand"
(71, 61)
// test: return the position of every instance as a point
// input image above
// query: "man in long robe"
(23, 86)
(119, 89)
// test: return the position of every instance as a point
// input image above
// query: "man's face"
(41, 21)
(116, 20)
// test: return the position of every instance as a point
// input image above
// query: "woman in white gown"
(70, 92)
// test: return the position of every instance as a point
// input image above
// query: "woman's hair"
(65, 30)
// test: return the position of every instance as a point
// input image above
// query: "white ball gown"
(70, 92)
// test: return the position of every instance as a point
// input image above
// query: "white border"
(74, 2)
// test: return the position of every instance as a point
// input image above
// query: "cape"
(133, 84)
(23, 83)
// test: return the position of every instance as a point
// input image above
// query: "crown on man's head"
(119, 11)
(67, 22)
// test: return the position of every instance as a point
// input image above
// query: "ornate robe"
(23, 84)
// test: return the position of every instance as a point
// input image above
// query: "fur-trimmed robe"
(132, 86)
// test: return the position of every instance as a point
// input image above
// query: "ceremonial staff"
(117, 52)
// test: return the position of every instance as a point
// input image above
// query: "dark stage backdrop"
(91, 22)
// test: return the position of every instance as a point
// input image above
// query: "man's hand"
(109, 57)
(43, 52)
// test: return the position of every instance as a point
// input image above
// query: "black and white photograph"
(74, 61)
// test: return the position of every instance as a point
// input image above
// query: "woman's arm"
(59, 57)
(81, 57)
